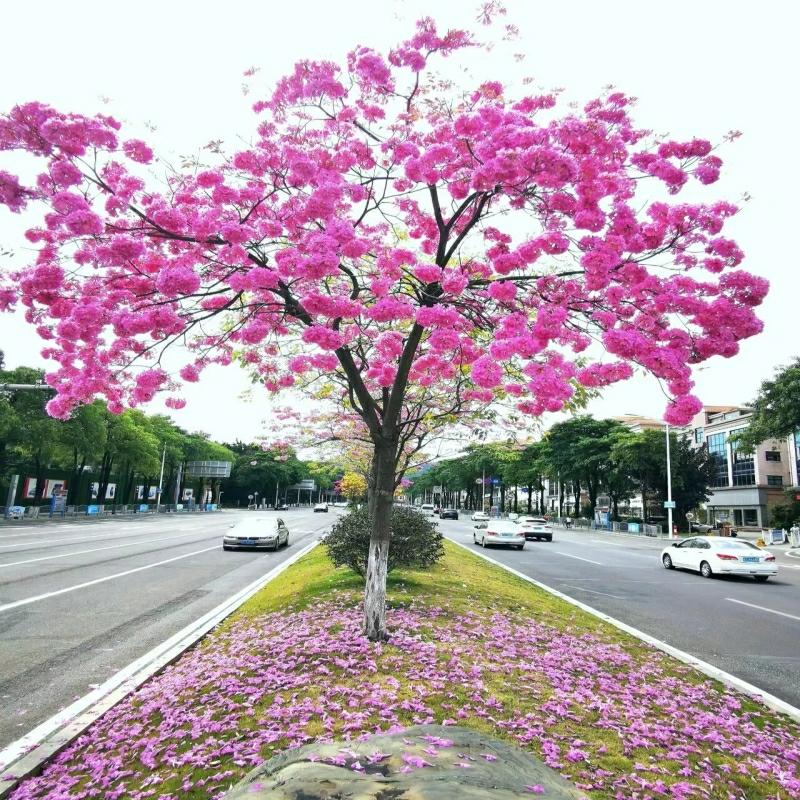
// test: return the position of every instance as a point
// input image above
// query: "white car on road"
(498, 532)
(536, 528)
(718, 555)
(480, 516)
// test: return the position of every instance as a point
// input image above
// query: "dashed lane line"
(97, 549)
(580, 558)
(591, 591)
(763, 608)
(37, 598)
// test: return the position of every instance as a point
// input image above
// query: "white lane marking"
(580, 558)
(109, 536)
(591, 591)
(763, 608)
(613, 544)
(38, 597)
(96, 549)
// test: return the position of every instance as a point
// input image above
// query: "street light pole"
(161, 479)
(669, 490)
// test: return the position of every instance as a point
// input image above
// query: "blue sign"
(496, 481)
(16, 511)
(143, 507)
(92, 509)
(633, 527)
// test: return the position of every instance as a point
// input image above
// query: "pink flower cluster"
(378, 214)
(260, 686)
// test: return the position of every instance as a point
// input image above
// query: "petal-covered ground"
(619, 719)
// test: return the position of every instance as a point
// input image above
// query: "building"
(746, 485)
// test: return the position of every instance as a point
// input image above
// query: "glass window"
(744, 468)
(717, 449)
(773, 455)
(698, 435)
(751, 520)
(774, 480)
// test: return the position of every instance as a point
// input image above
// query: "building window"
(774, 480)
(698, 435)
(744, 467)
(717, 450)
(773, 455)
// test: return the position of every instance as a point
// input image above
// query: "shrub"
(415, 541)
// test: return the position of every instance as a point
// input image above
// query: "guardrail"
(102, 510)
(634, 528)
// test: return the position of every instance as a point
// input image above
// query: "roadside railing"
(634, 528)
(102, 510)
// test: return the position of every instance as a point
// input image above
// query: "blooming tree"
(353, 486)
(420, 250)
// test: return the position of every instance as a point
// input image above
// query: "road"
(750, 630)
(81, 600)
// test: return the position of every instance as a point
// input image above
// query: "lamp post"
(669, 489)
(256, 502)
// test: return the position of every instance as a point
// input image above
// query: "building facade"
(746, 485)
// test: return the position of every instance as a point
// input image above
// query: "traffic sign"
(669, 504)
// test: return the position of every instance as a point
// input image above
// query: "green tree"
(776, 409)
(80, 444)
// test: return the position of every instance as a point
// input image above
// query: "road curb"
(769, 700)
(29, 754)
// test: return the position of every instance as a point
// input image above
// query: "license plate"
(247, 541)
(751, 559)
(507, 535)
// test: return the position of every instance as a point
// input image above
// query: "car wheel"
(705, 569)
(521, 547)
(225, 547)
(667, 561)
(286, 543)
(760, 578)
(548, 538)
(483, 541)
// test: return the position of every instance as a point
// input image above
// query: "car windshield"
(254, 527)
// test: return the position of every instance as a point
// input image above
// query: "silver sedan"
(268, 533)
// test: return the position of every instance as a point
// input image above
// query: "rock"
(426, 762)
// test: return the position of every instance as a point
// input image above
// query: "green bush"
(415, 541)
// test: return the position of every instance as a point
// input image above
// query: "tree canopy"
(420, 250)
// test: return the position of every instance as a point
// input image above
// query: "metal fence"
(102, 510)
(634, 528)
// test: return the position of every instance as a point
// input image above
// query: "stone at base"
(426, 762)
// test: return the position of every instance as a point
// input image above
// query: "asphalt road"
(750, 630)
(79, 601)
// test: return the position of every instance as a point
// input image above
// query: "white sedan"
(480, 516)
(536, 528)
(716, 555)
(498, 532)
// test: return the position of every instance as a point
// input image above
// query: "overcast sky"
(698, 69)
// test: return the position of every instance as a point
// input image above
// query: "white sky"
(698, 69)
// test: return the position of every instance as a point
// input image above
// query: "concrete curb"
(28, 755)
(769, 700)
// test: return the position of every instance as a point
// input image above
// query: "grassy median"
(471, 645)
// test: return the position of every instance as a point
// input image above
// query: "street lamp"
(256, 495)
(669, 489)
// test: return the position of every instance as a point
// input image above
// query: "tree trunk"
(381, 493)
(530, 498)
